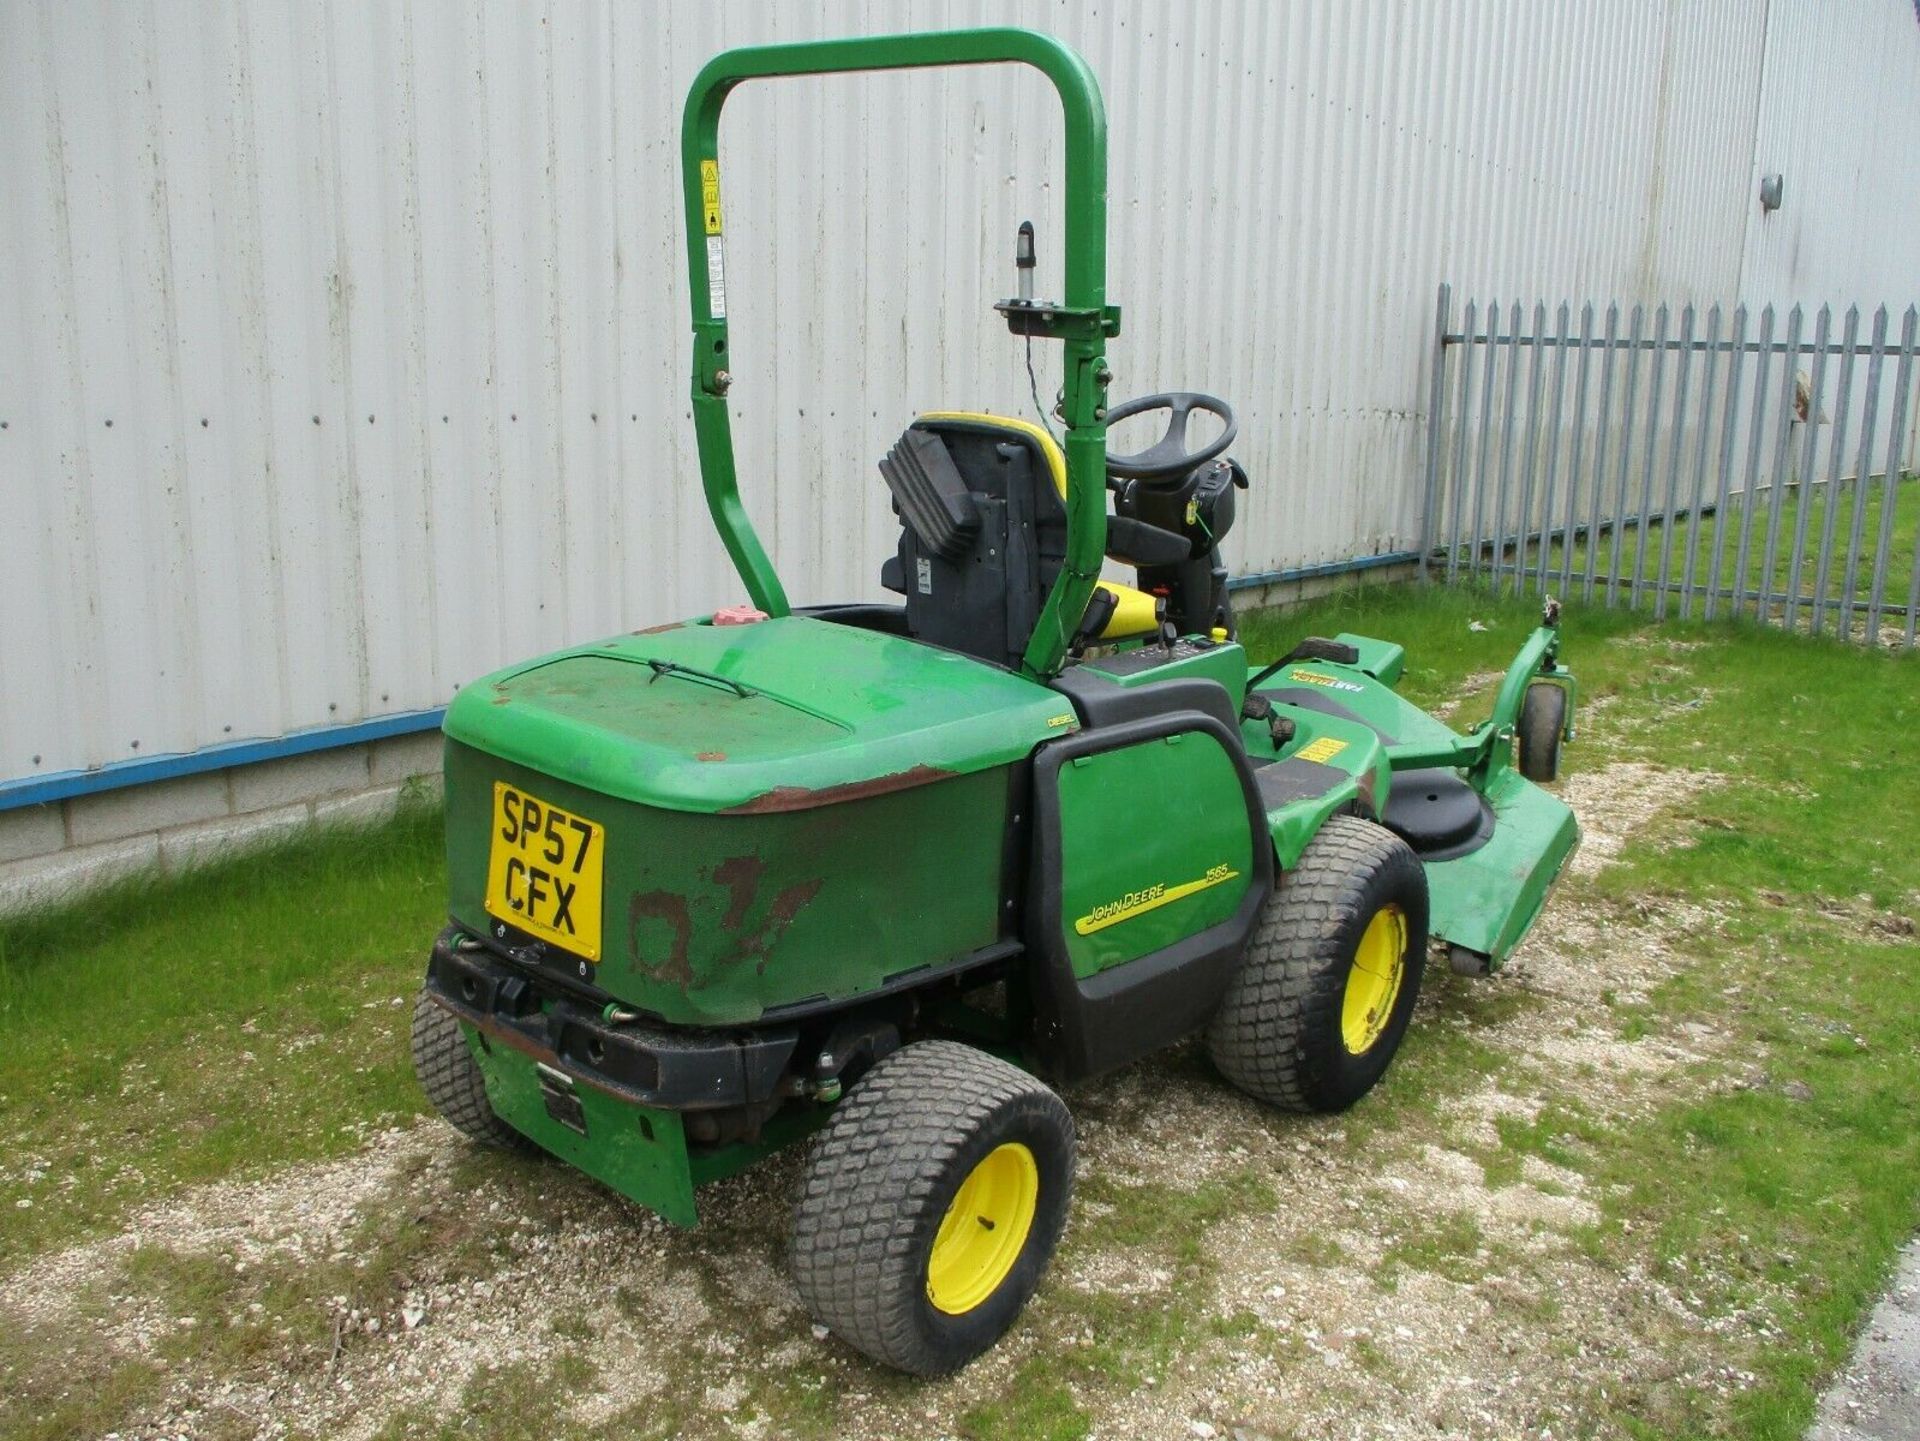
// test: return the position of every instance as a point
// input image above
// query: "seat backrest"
(983, 531)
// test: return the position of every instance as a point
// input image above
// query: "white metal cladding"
(418, 269)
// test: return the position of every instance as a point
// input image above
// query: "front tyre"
(1318, 1007)
(931, 1205)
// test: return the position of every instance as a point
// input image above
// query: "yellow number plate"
(544, 871)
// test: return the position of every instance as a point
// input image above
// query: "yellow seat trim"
(1134, 611)
(1049, 447)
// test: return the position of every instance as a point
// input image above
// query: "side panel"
(714, 919)
(1150, 866)
(1154, 846)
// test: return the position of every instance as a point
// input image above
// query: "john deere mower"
(882, 875)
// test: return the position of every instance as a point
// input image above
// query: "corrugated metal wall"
(345, 343)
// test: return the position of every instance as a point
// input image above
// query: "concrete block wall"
(50, 852)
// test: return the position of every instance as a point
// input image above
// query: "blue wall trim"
(1329, 567)
(64, 785)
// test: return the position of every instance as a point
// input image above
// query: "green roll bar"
(1084, 321)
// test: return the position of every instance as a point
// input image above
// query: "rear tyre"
(931, 1205)
(447, 1073)
(1316, 1011)
(1543, 719)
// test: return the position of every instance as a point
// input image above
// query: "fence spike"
(1655, 391)
(1457, 486)
(1703, 435)
(1636, 328)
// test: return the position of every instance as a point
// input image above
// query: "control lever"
(1312, 648)
(1100, 608)
(1169, 632)
(1257, 707)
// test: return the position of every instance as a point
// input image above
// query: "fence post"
(1436, 401)
(1890, 486)
(1863, 478)
(1809, 458)
(1723, 487)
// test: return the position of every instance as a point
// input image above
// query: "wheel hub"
(984, 1230)
(1373, 984)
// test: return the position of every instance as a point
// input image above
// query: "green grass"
(249, 1017)
(1620, 557)
(162, 1033)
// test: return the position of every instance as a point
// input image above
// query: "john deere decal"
(1135, 903)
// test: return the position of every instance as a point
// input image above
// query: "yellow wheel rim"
(1373, 985)
(984, 1230)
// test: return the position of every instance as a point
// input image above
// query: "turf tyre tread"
(1536, 743)
(1276, 1033)
(883, 1173)
(452, 1081)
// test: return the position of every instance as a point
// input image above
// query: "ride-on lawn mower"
(873, 870)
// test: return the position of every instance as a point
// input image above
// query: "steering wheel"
(1169, 458)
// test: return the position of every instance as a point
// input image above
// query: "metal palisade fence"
(1697, 462)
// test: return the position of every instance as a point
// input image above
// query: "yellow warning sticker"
(1324, 749)
(710, 194)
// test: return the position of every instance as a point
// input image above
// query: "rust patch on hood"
(753, 935)
(741, 877)
(800, 798)
(677, 969)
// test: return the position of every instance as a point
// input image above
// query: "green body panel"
(639, 1151)
(1155, 846)
(1084, 323)
(1225, 663)
(714, 919)
(1360, 757)
(783, 713)
(1384, 660)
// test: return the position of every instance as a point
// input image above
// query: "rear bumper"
(609, 1100)
(670, 1069)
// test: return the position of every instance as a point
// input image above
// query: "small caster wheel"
(1463, 962)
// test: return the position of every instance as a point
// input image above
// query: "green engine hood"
(784, 714)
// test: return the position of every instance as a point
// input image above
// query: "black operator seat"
(983, 534)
